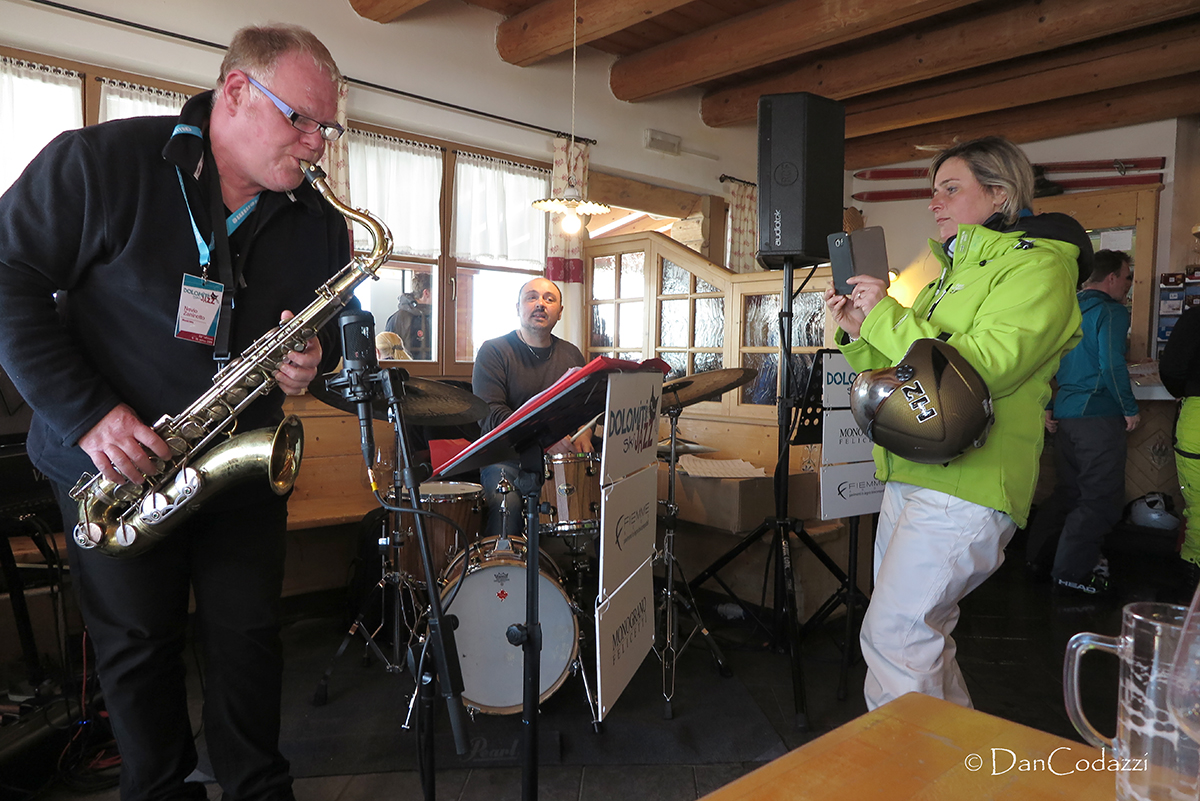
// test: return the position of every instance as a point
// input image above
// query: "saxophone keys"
(191, 431)
(87, 535)
(154, 507)
(125, 535)
(178, 445)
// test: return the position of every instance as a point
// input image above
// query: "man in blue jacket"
(1091, 415)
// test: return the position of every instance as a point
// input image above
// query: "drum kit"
(482, 580)
(468, 567)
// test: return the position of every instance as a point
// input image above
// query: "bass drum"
(489, 599)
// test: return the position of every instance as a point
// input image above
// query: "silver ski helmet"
(929, 408)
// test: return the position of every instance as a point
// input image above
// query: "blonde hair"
(995, 162)
(390, 347)
(256, 49)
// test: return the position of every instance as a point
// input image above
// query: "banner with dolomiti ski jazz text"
(628, 515)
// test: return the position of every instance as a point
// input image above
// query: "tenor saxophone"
(124, 519)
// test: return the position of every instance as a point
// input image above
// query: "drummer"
(511, 369)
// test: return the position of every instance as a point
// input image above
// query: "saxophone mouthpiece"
(311, 171)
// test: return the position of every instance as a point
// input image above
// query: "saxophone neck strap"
(229, 273)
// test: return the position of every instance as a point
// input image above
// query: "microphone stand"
(440, 646)
(529, 634)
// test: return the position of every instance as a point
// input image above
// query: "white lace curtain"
(37, 103)
(120, 99)
(401, 183)
(743, 227)
(494, 219)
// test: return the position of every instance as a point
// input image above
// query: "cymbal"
(682, 448)
(426, 402)
(689, 389)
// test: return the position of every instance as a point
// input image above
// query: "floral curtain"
(743, 244)
(334, 162)
(564, 253)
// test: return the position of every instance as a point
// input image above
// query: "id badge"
(199, 308)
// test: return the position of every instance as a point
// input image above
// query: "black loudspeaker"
(801, 155)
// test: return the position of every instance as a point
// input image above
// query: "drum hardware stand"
(670, 651)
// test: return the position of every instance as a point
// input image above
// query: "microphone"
(358, 368)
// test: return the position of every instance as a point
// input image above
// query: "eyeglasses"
(330, 131)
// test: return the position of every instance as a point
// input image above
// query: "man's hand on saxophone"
(300, 367)
(121, 445)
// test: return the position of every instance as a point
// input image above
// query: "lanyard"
(232, 222)
(220, 241)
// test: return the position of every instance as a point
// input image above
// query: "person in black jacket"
(100, 239)
(413, 318)
(1179, 367)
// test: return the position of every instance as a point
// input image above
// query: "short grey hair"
(256, 49)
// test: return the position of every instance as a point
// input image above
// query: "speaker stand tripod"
(784, 628)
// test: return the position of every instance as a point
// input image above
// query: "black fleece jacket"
(99, 218)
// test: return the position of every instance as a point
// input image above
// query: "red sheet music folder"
(549, 416)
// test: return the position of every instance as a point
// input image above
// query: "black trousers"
(136, 612)
(1088, 496)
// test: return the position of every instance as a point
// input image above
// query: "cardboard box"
(1171, 279)
(738, 504)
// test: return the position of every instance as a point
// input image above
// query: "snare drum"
(457, 500)
(572, 489)
(492, 598)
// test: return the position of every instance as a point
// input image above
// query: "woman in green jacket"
(1005, 300)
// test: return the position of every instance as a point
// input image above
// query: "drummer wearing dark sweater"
(511, 369)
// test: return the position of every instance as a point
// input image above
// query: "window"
(618, 309)
(499, 244)
(462, 221)
(37, 103)
(691, 313)
(122, 99)
(400, 181)
(760, 342)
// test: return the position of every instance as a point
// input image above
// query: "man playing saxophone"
(122, 299)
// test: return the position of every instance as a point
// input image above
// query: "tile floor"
(1011, 640)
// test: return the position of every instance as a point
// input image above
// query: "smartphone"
(861, 252)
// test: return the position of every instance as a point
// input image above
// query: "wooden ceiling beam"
(384, 11)
(628, 193)
(1162, 53)
(545, 29)
(1004, 32)
(1129, 105)
(784, 30)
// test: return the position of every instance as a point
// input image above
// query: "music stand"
(545, 419)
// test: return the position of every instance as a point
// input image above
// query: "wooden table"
(923, 747)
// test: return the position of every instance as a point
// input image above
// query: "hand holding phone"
(861, 252)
